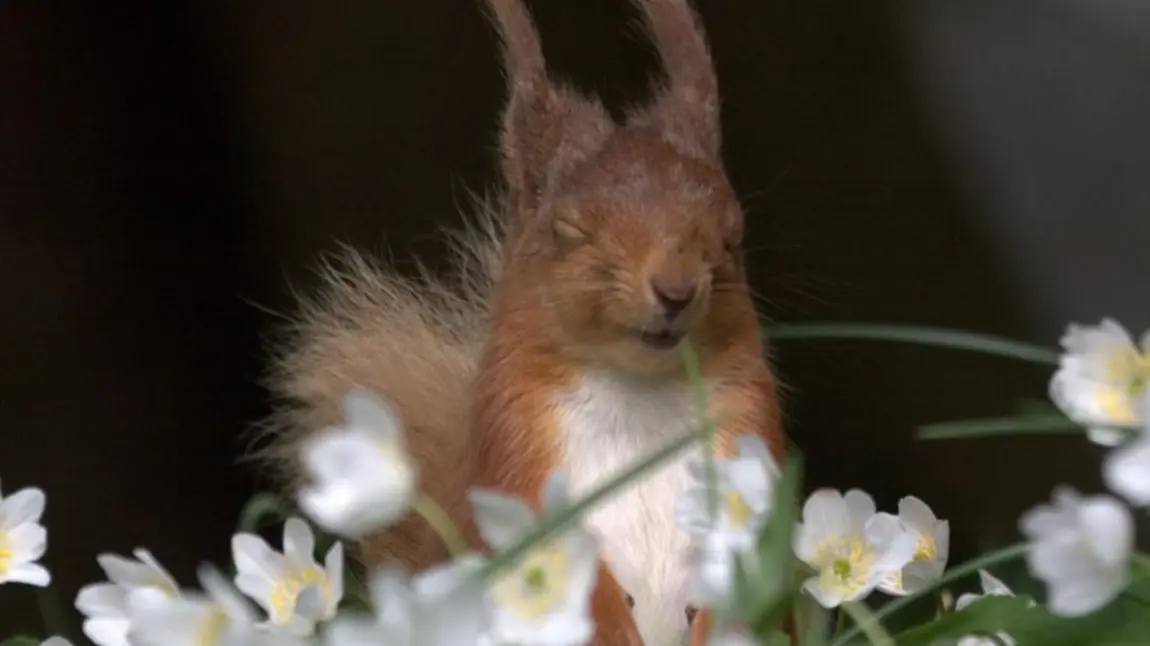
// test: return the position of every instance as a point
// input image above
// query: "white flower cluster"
(361, 479)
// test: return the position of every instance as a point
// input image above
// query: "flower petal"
(1103, 436)
(555, 491)
(822, 595)
(363, 409)
(1075, 597)
(108, 631)
(993, 585)
(102, 600)
(1108, 528)
(221, 592)
(28, 542)
(861, 507)
(252, 555)
(825, 514)
(24, 506)
(501, 519)
(916, 514)
(160, 577)
(298, 542)
(29, 573)
(1126, 470)
(333, 563)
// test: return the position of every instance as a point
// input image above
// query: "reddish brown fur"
(594, 213)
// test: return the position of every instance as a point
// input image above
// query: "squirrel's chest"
(606, 425)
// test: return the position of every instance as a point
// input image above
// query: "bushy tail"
(415, 341)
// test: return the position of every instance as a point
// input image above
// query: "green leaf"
(261, 510)
(21, 640)
(941, 337)
(998, 426)
(1124, 622)
(985, 616)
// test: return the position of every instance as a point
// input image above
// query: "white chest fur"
(607, 424)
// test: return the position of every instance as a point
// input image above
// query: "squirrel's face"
(643, 248)
(628, 229)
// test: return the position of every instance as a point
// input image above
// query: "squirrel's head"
(631, 231)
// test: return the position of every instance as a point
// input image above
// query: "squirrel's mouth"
(661, 339)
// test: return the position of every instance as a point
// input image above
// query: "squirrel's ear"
(687, 109)
(546, 129)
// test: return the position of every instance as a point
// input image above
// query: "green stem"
(50, 611)
(840, 621)
(869, 623)
(553, 524)
(694, 374)
(440, 523)
(974, 565)
(942, 337)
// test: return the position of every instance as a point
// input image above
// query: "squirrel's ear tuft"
(687, 110)
(547, 129)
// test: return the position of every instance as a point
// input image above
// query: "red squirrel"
(555, 343)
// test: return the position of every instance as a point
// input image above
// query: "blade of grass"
(998, 426)
(970, 567)
(694, 375)
(941, 337)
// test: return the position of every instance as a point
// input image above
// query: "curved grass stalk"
(924, 335)
(694, 374)
(996, 426)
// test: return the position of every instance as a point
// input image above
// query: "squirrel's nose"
(673, 297)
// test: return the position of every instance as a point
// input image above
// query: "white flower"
(1101, 375)
(278, 581)
(931, 548)
(362, 475)
(56, 641)
(991, 587)
(1126, 469)
(544, 598)
(744, 486)
(23, 540)
(105, 605)
(441, 606)
(1081, 546)
(218, 617)
(851, 548)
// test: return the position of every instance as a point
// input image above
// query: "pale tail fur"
(415, 340)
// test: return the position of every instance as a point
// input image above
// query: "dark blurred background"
(170, 169)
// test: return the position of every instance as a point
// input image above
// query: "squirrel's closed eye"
(569, 231)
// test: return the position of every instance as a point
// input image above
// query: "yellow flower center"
(1131, 368)
(286, 590)
(924, 547)
(737, 508)
(536, 586)
(211, 627)
(1116, 404)
(844, 563)
(5, 552)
